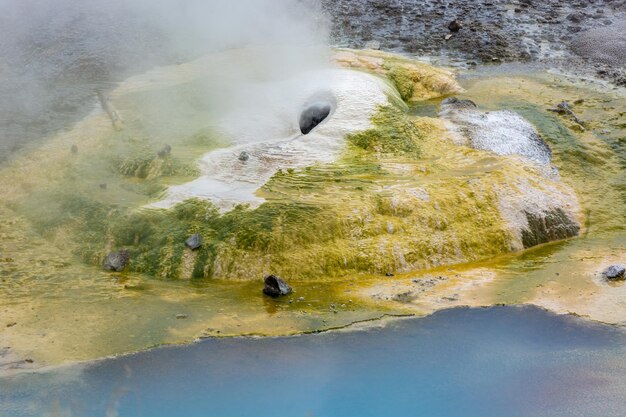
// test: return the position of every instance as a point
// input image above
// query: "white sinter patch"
(502, 132)
(268, 132)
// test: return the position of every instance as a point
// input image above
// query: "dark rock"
(565, 109)
(74, 149)
(455, 26)
(549, 226)
(615, 272)
(181, 316)
(313, 116)
(458, 104)
(389, 274)
(116, 261)
(103, 186)
(164, 151)
(575, 17)
(194, 241)
(243, 156)
(275, 286)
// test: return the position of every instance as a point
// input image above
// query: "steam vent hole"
(313, 115)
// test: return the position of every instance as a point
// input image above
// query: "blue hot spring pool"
(501, 361)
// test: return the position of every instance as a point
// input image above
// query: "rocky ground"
(572, 35)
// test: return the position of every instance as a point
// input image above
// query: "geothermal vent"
(315, 112)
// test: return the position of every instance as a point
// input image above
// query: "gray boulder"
(615, 272)
(194, 241)
(457, 104)
(455, 26)
(275, 286)
(116, 261)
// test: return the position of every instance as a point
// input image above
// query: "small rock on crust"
(243, 156)
(455, 26)
(116, 261)
(456, 103)
(615, 272)
(194, 241)
(275, 286)
(164, 151)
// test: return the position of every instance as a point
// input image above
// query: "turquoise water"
(501, 361)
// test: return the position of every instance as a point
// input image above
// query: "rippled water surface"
(505, 361)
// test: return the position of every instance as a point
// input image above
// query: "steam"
(53, 55)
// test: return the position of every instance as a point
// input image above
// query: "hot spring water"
(514, 362)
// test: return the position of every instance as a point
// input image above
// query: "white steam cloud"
(53, 54)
